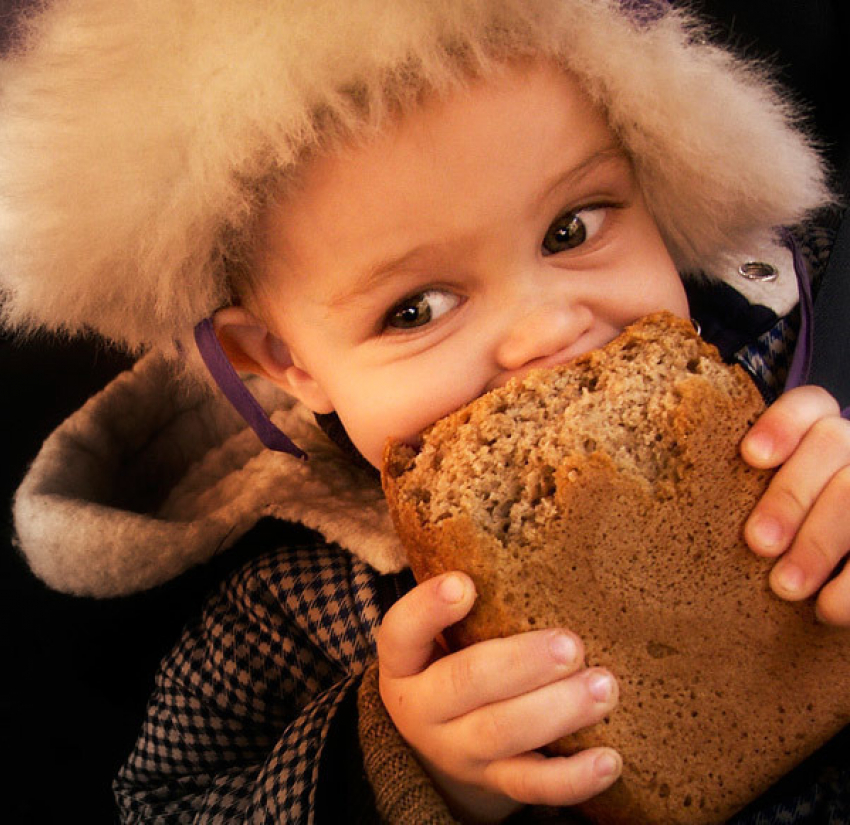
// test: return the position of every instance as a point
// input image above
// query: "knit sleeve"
(242, 710)
(404, 795)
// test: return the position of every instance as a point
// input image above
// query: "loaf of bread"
(608, 496)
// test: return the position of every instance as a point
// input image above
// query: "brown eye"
(413, 313)
(571, 230)
(421, 309)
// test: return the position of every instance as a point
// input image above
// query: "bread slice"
(608, 496)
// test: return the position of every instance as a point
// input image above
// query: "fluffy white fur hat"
(139, 139)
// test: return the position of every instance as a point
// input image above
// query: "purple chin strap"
(801, 363)
(237, 393)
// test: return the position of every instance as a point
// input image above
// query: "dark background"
(76, 672)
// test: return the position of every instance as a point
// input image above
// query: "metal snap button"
(758, 271)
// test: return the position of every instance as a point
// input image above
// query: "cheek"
(401, 408)
(646, 256)
(662, 288)
(652, 288)
(672, 296)
(370, 429)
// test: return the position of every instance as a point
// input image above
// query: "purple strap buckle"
(237, 393)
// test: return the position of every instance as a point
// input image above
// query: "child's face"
(487, 234)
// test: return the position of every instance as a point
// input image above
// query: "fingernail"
(563, 648)
(760, 447)
(601, 686)
(788, 577)
(766, 531)
(606, 764)
(452, 589)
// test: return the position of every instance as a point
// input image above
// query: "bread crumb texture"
(608, 496)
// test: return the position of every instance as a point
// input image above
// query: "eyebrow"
(384, 269)
(610, 154)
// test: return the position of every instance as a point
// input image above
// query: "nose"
(543, 333)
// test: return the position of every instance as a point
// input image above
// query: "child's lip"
(549, 362)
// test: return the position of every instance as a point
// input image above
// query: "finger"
(500, 669)
(534, 779)
(406, 639)
(792, 492)
(535, 719)
(778, 431)
(820, 544)
(833, 602)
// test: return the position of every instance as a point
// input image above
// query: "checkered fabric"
(235, 729)
(768, 358)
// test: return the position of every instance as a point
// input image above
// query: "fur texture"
(138, 140)
(152, 477)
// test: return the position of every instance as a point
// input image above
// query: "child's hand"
(475, 717)
(804, 517)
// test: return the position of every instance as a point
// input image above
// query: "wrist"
(469, 804)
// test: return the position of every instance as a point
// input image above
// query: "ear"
(250, 347)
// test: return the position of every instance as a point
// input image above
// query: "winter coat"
(267, 710)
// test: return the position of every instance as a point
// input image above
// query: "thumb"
(407, 636)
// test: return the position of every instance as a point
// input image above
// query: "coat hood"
(139, 141)
(155, 475)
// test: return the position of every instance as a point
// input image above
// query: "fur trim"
(138, 140)
(86, 520)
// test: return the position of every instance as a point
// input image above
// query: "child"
(382, 211)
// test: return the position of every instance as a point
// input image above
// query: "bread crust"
(723, 686)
